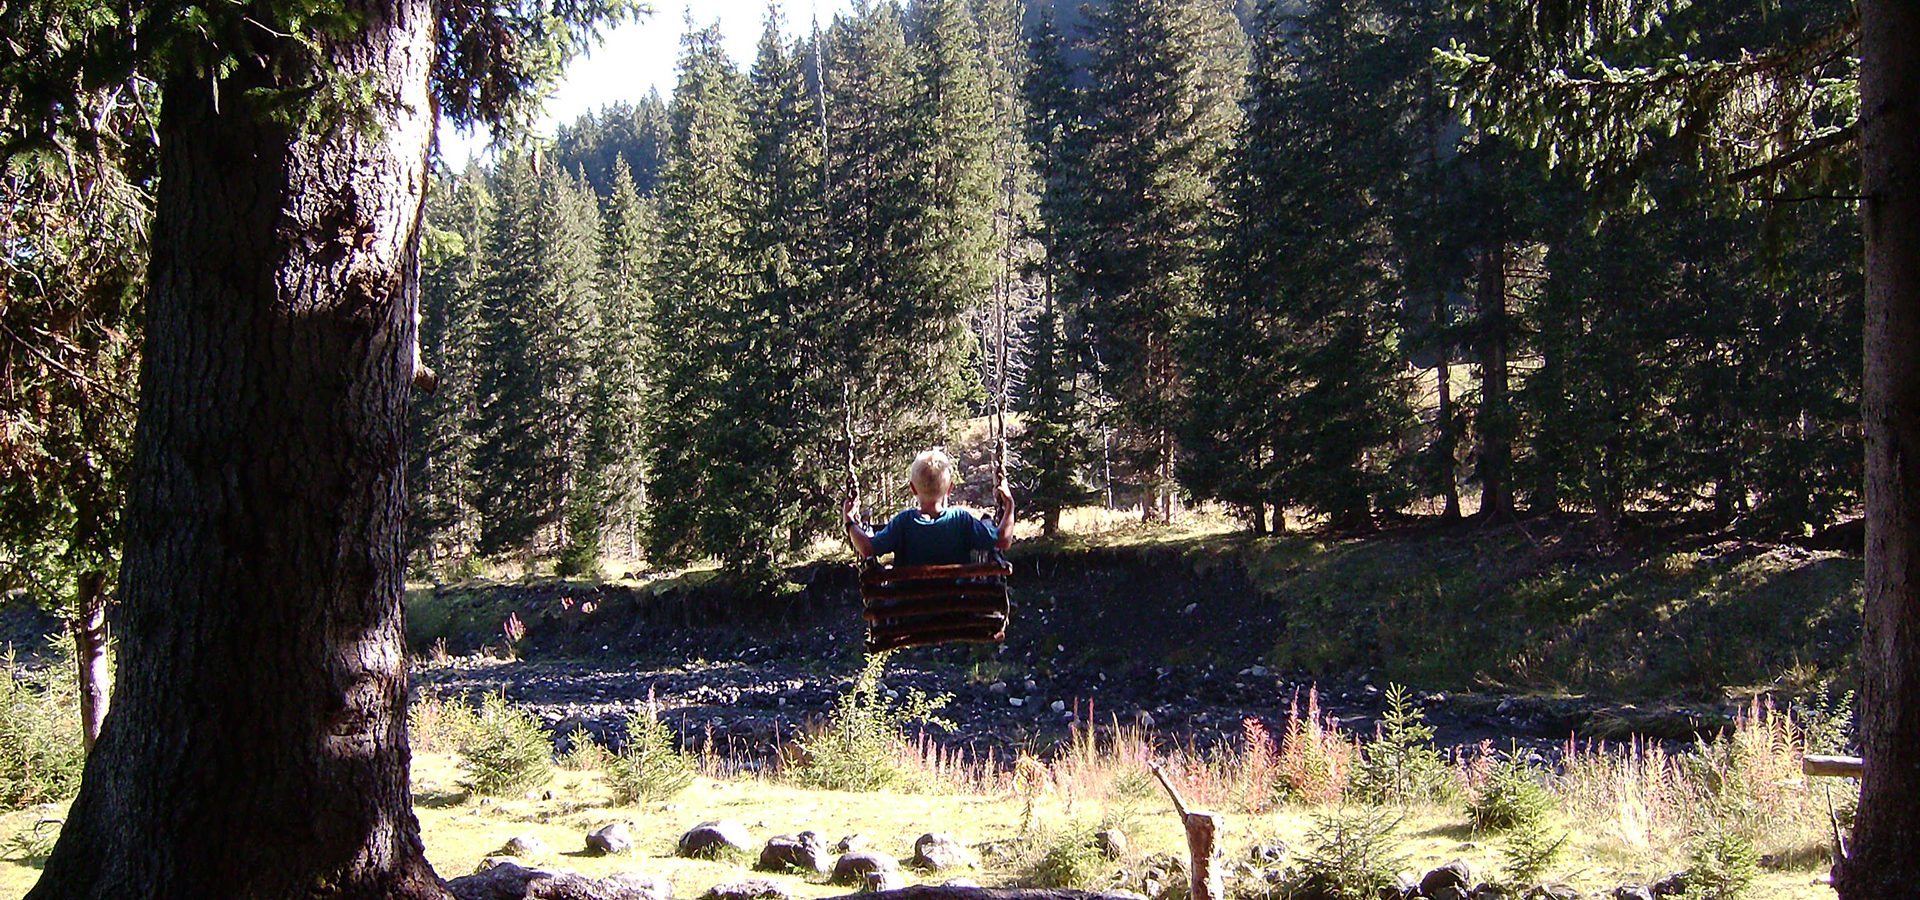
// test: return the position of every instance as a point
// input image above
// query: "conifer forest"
(1267, 256)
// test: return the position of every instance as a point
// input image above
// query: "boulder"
(881, 880)
(1112, 842)
(938, 852)
(510, 881)
(1633, 892)
(1453, 881)
(852, 868)
(806, 851)
(608, 840)
(1553, 892)
(852, 843)
(751, 889)
(710, 839)
(523, 846)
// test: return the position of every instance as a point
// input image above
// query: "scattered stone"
(852, 868)
(492, 861)
(1058, 706)
(960, 883)
(806, 851)
(1143, 719)
(1190, 608)
(1112, 842)
(878, 881)
(1258, 671)
(656, 888)
(1449, 882)
(751, 889)
(1553, 892)
(1671, 886)
(998, 687)
(1272, 853)
(1016, 701)
(509, 881)
(1632, 892)
(1489, 892)
(710, 839)
(938, 852)
(610, 839)
(524, 846)
(852, 843)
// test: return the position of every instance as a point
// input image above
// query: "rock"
(657, 888)
(710, 839)
(1112, 842)
(852, 843)
(1489, 892)
(524, 846)
(878, 881)
(1016, 701)
(938, 852)
(610, 839)
(751, 889)
(1553, 892)
(1258, 671)
(509, 881)
(1671, 886)
(1274, 853)
(998, 687)
(852, 868)
(1632, 892)
(492, 861)
(960, 883)
(1058, 706)
(1452, 881)
(806, 851)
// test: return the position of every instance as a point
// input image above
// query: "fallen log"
(1833, 766)
(940, 892)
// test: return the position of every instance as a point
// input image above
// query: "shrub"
(40, 742)
(649, 767)
(584, 754)
(1401, 765)
(1721, 864)
(1067, 858)
(1514, 795)
(864, 739)
(1348, 854)
(508, 752)
(1316, 759)
(439, 725)
(1528, 851)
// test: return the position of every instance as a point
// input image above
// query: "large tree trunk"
(257, 744)
(1888, 826)
(1496, 416)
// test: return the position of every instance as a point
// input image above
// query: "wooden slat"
(970, 635)
(929, 590)
(894, 574)
(935, 606)
(1834, 766)
(907, 624)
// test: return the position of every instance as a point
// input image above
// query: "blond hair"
(932, 473)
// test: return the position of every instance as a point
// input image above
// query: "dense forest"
(1257, 257)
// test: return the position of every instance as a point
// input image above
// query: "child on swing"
(932, 533)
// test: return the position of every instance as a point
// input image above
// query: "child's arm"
(1003, 495)
(857, 533)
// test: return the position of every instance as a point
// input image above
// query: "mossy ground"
(461, 830)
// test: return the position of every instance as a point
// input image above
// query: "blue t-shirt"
(947, 539)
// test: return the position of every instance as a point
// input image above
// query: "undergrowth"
(507, 752)
(863, 746)
(40, 747)
(649, 767)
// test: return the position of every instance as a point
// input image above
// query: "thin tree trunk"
(257, 746)
(1496, 420)
(1445, 439)
(1887, 827)
(90, 652)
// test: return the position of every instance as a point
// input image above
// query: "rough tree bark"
(257, 746)
(1888, 825)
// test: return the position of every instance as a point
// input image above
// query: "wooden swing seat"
(913, 606)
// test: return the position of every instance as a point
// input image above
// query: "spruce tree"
(1052, 446)
(442, 483)
(1164, 109)
(540, 310)
(697, 344)
(615, 464)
